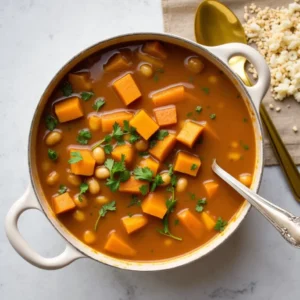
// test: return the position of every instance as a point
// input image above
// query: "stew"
(125, 148)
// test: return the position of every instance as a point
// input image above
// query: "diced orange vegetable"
(157, 63)
(132, 186)
(189, 133)
(134, 222)
(166, 115)
(62, 203)
(86, 165)
(125, 149)
(94, 122)
(116, 63)
(245, 179)
(144, 124)
(155, 49)
(191, 223)
(152, 164)
(162, 148)
(155, 205)
(168, 96)
(80, 81)
(127, 89)
(208, 220)
(211, 187)
(187, 163)
(116, 245)
(69, 109)
(108, 120)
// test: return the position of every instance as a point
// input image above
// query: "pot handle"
(25, 202)
(260, 88)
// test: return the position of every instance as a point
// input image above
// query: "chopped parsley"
(108, 149)
(205, 90)
(51, 122)
(52, 154)
(245, 146)
(213, 116)
(134, 201)
(144, 189)
(245, 120)
(130, 214)
(198, 109)
(189, 114)
(143, 153)
(85, 96)
(156, 74)
(194, 167)
(84, 135)
(75, 157)
(111, 206)
(200, 205)
(158, 136)
(67, 89)
(176, 222)
(144, 173)
(192, 195)
(62, 189)
(83, 188)
(156, 182)
(98, 104)
(220, 225)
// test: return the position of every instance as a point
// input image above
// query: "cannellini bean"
(102, 172)
(99, 155)
(94, 123)
(146, 70)
(80, 200)
(166, 178)
(101, 200)
(53, 138)
(234, 156)
(52, 178)
(245, 179)
(94, 186)
(141, 145)
(89, 237)
(181, 185)
(195, 65)
(74, 179)
(79, 215)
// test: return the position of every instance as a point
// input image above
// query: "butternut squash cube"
(166, 115)
(80, 81)
(162, 148)
(116, 245)
(63, 203)
(211, 187)
(94, 122)
(169, 95)
(187, 163)
(152, 164)
(191, 223)
(189, 133)
(155, 205)
(208, 220)
(127, 89)
(132, 186)
(156, 49)
(127, 150)
(144, 124)
(108, 120)
(85, 166)
(134, 222)
(69, 109)
(116, 63)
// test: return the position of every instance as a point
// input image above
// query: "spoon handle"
(286, 223)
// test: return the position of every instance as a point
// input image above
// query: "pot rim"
(218, 239)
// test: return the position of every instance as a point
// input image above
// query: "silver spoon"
(286, 223)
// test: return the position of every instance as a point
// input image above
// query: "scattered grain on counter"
(295, 129)
(271, 106)
(278, 109)
(276, 33)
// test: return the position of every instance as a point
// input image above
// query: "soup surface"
(125, 147)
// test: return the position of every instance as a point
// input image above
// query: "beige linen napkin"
(179, 19)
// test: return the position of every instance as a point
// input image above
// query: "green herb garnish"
(85, 96)
(176, 222)
(245, 120)
(67, 89)
(189, 114)
(213, 116)
(205, 90)
(111, 206)
(198, 109)
(143, 153)
(75, 157)
(200, 205)
(108, 149)
(144, 189)
(62, 189)
(52, 154)
(51, 122)
(98, 104)
(130, 215)
(194, 167)
(156, 182)
(134, 201)
(144, 173)
(220, 225)
(84, 135)
(158, 136)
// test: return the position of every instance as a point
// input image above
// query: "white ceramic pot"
(34, 198)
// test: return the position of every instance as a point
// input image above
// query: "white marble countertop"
(37, 37)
